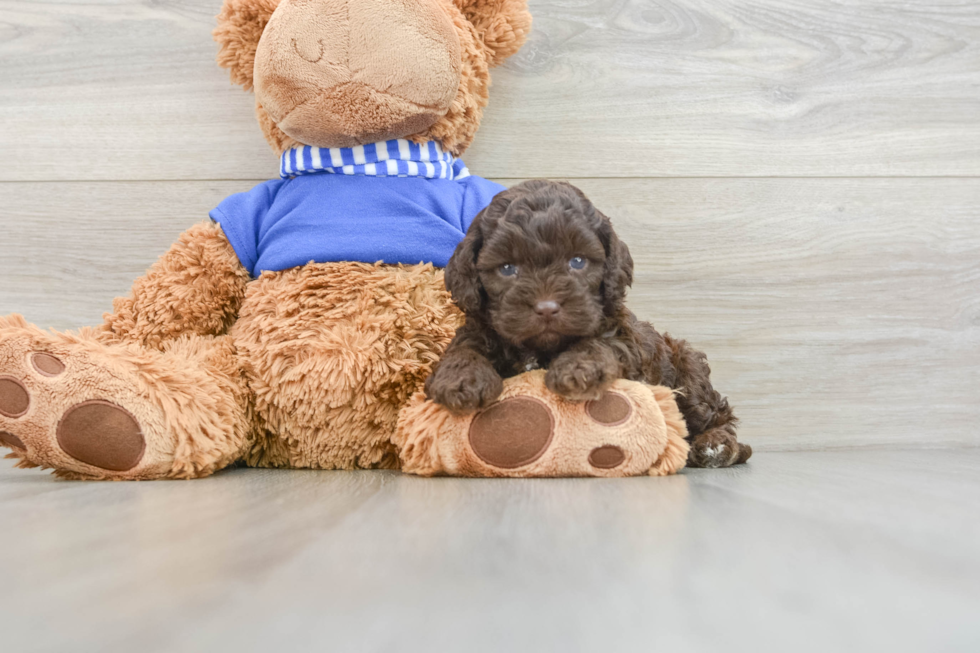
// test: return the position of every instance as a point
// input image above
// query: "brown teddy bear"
(291, 330)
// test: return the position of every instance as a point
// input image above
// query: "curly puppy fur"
(542, 278)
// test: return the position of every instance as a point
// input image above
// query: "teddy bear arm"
(195, 288)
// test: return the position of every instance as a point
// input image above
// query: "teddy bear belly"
(332, 352)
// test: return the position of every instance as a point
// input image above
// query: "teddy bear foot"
(61, 409)
(633, 429)
(96, 433)
(95, 410)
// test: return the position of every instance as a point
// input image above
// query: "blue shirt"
(327, 215)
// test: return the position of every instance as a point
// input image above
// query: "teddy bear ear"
(502, 25)
(240, 27)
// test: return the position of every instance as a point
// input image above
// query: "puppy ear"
(240, 26)
(502, 25)
(618, 269)
(462, 276)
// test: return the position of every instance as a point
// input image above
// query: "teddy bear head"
(341, 73)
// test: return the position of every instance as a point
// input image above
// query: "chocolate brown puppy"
(542, 278)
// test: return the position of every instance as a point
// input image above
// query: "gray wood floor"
(800, 185)
(798, 551)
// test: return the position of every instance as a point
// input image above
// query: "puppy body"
(542, 277)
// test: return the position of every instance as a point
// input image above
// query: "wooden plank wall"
(799, 181)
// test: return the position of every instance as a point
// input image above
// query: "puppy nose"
(548, 308)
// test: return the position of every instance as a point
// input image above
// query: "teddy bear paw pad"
(103, 435)
(512, 433)
(612, 409)
(11, 440)
(607, 457)
(47, 365)
(15, 400)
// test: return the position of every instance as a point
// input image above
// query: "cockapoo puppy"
(542, 277)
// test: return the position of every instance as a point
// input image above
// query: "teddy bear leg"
(332, 352)
(632, 429)
(95, 410)
(325, 403)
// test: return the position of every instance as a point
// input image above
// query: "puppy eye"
(508, 270)
(577, 263)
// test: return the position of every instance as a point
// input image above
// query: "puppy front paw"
(579, 377)
(464, 388)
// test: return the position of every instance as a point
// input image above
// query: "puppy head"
(542, 266)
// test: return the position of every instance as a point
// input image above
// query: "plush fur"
(542, 278)
(332, 352)
(302, 368)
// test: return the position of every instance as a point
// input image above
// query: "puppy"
(542, 277)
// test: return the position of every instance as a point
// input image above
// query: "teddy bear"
(291, 329)
(297, 327)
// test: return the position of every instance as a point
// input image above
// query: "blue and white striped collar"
(398, 158)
